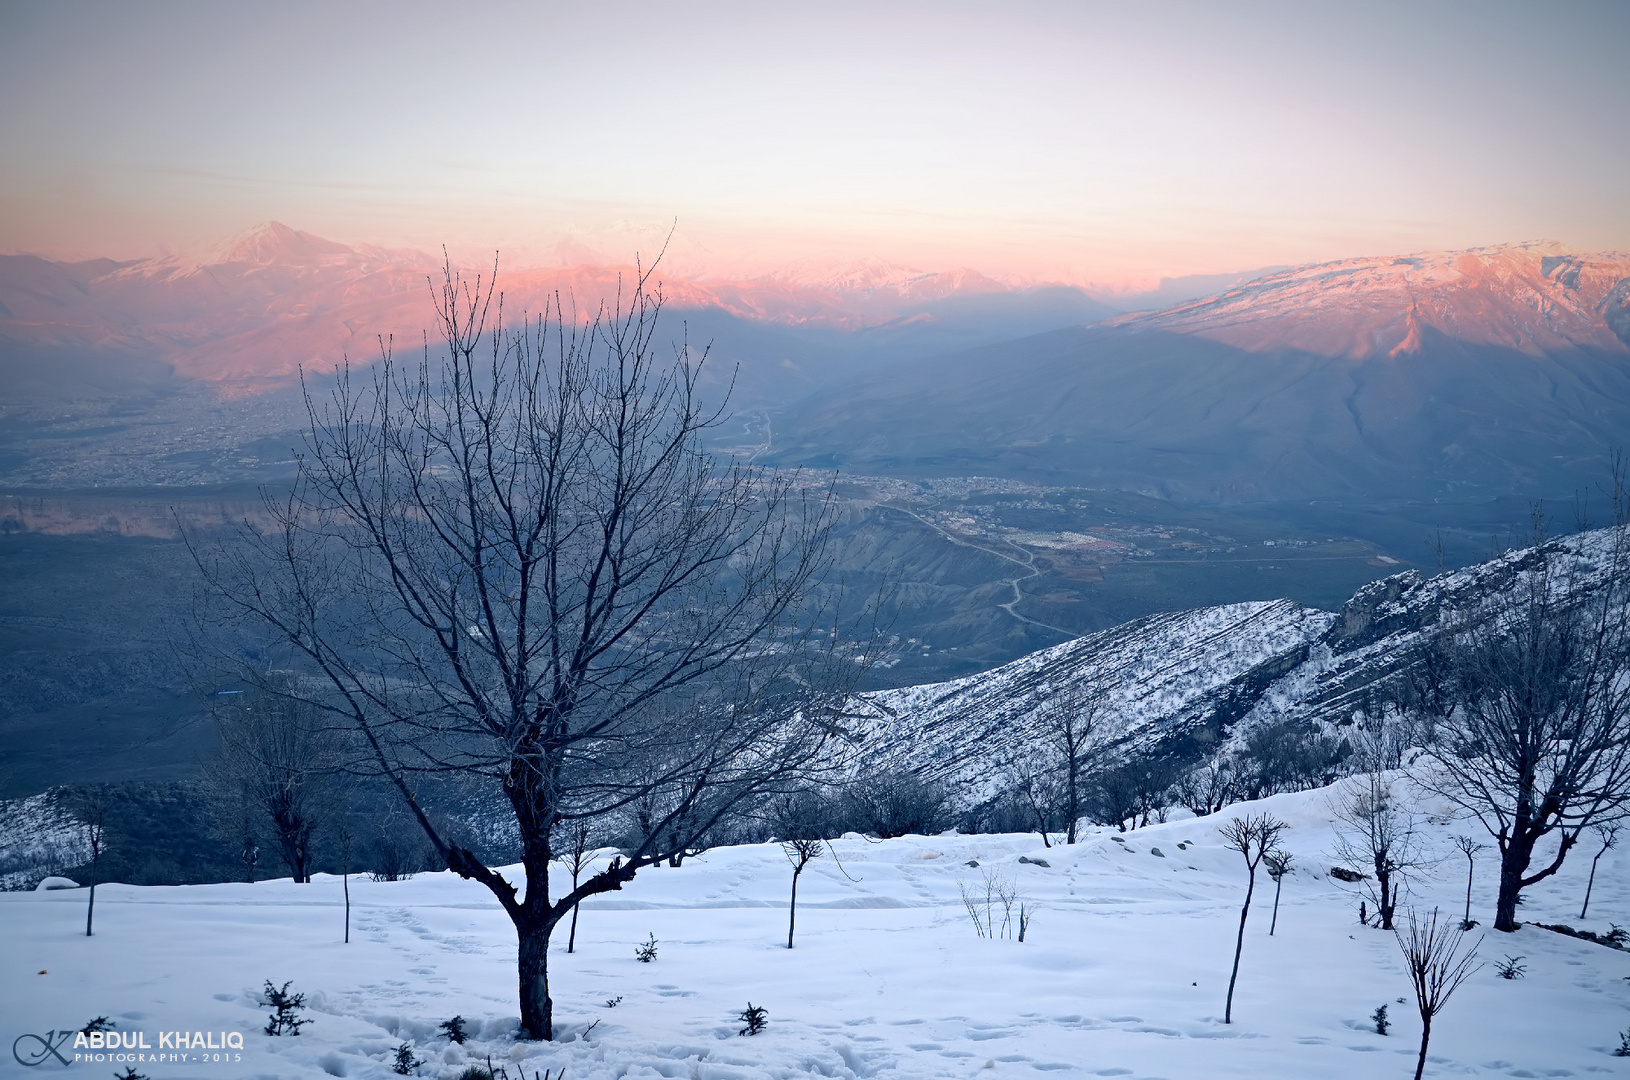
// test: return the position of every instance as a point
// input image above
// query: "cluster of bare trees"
(1529, 707)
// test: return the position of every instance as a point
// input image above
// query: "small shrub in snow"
(612, 1003)
(1511, 969)
(101, 1023)
(1624, 1044)
(285, 1018)
(130, 1073)
(475, 1072)
(756, 1017)
(647, 952)
(405, 1061)
(1341, 873)
(1379, 1017)
(454, 1030)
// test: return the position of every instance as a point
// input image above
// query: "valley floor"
(1123, 973)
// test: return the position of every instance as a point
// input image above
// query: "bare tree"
(1072, 721)
(1255, 837)
(1279, 864)
(279, 759)
(517, 565)
(1207, 788)
(345, 836)
(1608, 834)
(1437, 967)
(1033, 785)
(1115, 795)
(1533, 707)
(1375, 830)
(575, 848)
(1469, 847)
(91, 810)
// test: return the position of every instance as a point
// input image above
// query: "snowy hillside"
(1178, 684)
(1123, 972)
(1167, 678)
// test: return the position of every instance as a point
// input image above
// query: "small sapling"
(285, 1018)
(405, 1061)
(756, 1017)
(648, 951)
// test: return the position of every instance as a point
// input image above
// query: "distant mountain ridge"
(248, 314)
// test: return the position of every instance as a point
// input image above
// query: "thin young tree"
(1608, 834)
(1469, 847)
(796, 819)
(575, 848)
(1532, 707)
(1279, 864)
(344, 835)
(91, 809)
(1255, 837)
(1376, 830)
(516, 564)
(1437, 966)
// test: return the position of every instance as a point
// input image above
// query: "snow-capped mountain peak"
(1533, 297)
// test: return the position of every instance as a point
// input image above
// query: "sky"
(1097, 143)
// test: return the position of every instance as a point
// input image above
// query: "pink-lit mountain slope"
(1534, 298)
(249, 315)
(1498, 371)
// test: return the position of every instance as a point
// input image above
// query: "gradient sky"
(1094, 142)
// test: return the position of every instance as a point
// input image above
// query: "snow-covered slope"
(1170, 682)
(1123, 971)
(1177, 684)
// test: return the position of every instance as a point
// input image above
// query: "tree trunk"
(90, 907)
(345, 878)
(1072, 800)
(1470, 866)
(571, 938)
(1426, 1035)
(1513, 863)
(1239, 945)
(1589, 885)
(532, 959)
(1278, 884)
(792, 908)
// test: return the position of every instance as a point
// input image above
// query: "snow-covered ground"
(1123, 973)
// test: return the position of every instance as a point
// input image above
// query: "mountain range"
(247, 316)
(1466, 374)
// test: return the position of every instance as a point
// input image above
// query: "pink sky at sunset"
(1095, 143)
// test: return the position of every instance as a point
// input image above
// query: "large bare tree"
(516, 562)
(1531, 704)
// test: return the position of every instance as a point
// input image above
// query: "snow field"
(1124, 972)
